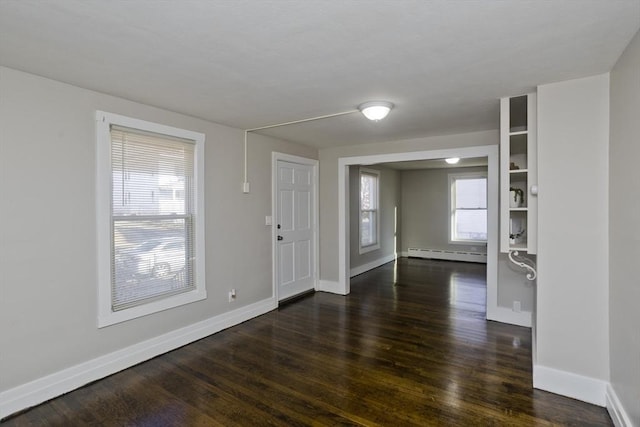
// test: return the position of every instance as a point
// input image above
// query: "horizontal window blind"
(152, 212)
(368, 209)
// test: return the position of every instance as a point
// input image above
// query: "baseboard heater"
(448, 255)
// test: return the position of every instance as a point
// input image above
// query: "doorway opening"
(490, 152)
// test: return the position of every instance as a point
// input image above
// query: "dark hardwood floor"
(408, 346)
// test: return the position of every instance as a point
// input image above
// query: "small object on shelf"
(513, 166)
(515, 238)
(516, 197)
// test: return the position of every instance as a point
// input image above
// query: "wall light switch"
(268, 220)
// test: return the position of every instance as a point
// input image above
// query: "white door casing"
(294, 225)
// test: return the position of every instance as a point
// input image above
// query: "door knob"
(280, 238)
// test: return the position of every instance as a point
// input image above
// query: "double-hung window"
(468, 207)
(150, 217)
(369, 206)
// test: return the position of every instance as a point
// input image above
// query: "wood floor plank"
(394, 392)
(255, 390)
(409, 346)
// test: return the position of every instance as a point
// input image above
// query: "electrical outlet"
(232, 295)
(517, 307)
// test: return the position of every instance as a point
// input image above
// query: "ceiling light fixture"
(452, 160)
(372, 110)
(375, 110)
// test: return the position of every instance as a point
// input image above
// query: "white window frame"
(452, 208)
(376, 245)
(106, 316)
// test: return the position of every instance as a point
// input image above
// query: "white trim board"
(507, 315)
(616, 411)
(371, 265)
(42, 389)
(590, 390)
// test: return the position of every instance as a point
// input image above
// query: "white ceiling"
(250, 63)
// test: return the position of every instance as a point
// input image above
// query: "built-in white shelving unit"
(518, 174)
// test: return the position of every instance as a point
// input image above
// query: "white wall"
(48, 226)
(389, 202)
(624, 231)
(514, 285)
(573, 267)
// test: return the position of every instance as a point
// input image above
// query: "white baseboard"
(330, 286)
(616, 411)
(568, 384)
(371, 265)
(58, 383)
(446, 254)
(507, 315)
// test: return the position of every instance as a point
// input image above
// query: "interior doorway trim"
(275, 157)
(489, 151)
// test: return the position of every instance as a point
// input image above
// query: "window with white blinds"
(468, 207)
(369, 222)
(154, 252)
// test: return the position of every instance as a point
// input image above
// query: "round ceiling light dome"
(375, 110)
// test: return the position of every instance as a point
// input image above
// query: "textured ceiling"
(250, 63)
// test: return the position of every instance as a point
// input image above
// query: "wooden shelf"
(518, 247)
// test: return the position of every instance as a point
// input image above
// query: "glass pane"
(368, 228)
(470, 225)
(151, 175)
(471, 193)
(368, 192)
(150, 259)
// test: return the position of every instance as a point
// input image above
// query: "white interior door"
(295, 219)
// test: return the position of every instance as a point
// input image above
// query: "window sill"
(370, 248)
(109, 317)
(468, 242)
